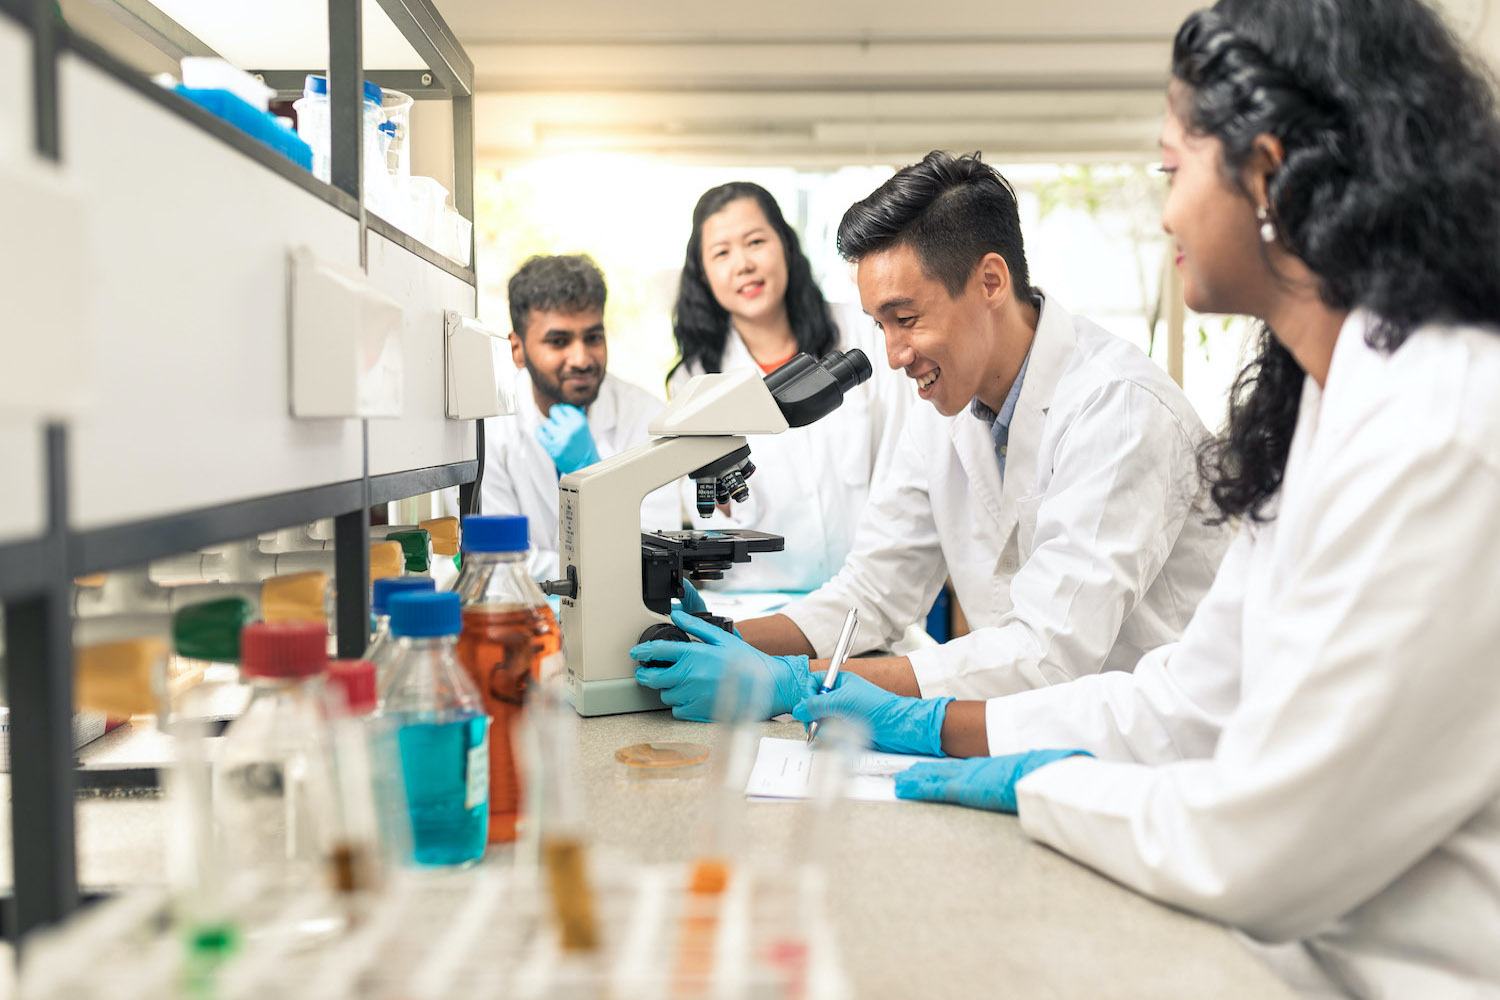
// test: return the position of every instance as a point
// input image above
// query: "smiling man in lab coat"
(570, 411)
(1053, 478)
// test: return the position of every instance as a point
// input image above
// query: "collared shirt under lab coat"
(1092, 551)
(1327, 732)
(811, 483)
(520, 477)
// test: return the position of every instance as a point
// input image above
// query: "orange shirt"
(768, 369)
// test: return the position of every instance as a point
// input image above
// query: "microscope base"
(615, 696)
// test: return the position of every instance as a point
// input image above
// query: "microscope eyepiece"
(806, 390)
(848, 369)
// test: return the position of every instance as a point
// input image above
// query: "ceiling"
(818, 83)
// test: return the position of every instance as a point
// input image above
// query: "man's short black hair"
(951, 210)
(568, 283)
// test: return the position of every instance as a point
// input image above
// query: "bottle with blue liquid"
(441, 730)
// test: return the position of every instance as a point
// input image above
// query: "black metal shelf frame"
(36, 574)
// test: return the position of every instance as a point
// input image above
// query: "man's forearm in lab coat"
(780, 636)
(775, 634)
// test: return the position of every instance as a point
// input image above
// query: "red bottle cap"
(356, 680)
(283, 649)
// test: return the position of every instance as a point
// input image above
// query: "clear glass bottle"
(441, 730)
(510, 638)
(382, 647)
(273, 779)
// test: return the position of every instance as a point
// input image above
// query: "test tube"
(709, 949)
(558, 816)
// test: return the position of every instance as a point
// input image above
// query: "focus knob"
(669, 633)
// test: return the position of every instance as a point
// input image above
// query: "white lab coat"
(1326, 735)
(1092, 551)
(520, 477)
(811, 483)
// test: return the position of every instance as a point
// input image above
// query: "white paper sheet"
(783, 770)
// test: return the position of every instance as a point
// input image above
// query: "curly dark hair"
(701, 326)
(1389, 193)
(951, 210)
(568, 283)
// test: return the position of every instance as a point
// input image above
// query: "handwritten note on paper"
(784, 770)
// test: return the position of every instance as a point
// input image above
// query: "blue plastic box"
(258, 124)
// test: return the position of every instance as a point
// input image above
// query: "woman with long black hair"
(1317, 762)
(747, 298)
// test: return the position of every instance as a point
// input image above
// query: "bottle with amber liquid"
(509, 639)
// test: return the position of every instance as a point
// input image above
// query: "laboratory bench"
(929, 900)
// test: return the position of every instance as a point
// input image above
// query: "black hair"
(569, 283)
(951, 210)
(701, 326)
(1389, 191)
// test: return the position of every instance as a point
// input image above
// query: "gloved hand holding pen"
(565, 436)
(897, 724)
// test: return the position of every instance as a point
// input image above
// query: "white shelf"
(423, 436)
(15, 77)
(23, 503)
(23, 499)
(187, 273)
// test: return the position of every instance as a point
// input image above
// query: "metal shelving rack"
(36, 572)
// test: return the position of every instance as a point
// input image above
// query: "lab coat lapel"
(1051, 349)
(976, 453)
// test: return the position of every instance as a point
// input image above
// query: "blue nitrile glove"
(980, 782)
(897, 724)
(565, 435)
(690, 686)
(691, 599)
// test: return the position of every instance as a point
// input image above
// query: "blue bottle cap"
(495, 533)
(422, 615)
(382, 590)
(319, 85)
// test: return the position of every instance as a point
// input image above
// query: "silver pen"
(840, 654)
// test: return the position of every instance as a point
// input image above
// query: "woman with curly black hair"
(1317, 762)
(747, 298)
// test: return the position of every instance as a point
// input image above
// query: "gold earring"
(1267, 228)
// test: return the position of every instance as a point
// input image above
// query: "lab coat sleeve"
(895, 569)
(1173, 706)
(1124, 481)
(1368, 735)
(499, 493)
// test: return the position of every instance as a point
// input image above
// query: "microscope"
(619, 581)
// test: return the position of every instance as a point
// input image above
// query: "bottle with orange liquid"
(510, 638)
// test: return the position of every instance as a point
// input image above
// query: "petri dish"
(652, 761)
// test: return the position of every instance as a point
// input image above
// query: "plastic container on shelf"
(426, 200)
(441, 731)
(213, 73)
(254, 122)
(510, 638)
(313, 126)
(455, 236)
(396, 107)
